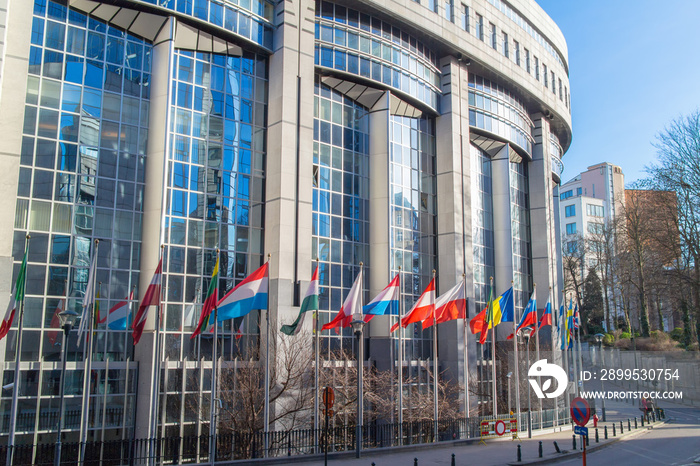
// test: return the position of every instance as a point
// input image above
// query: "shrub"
(677, 334)
(624, 336)
(609, 339)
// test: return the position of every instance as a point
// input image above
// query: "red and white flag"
(421, 309)
(352, 306)
(449, 306)
(151, 298)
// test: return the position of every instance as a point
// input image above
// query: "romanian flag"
(351, 306)
(310, 303)
(206, 320)
(561, 326)
(247, 296)
(529, 319)
(421, 309)
(546, 316)
(570, 326)
(450, 306)
(502, 308)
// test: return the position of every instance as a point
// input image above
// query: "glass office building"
(304, 130)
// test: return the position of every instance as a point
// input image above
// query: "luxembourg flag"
(422, 309)
(386, 302)
(249, 295)
(546, 316)
(118, 317)
(529, 318)
(451, 305)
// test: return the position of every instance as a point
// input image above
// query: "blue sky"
(634, 66)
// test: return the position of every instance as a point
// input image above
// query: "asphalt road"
(675, 443)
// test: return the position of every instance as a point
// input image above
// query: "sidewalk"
(495, 452)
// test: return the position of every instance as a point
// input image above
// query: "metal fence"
(242, 445)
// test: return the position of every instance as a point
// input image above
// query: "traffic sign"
(500, 428)
(580, 411)
(578, 430)
(328, 397)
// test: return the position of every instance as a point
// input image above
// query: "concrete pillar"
(542, 214)
(288, 174)
(152, 232)
(502, 229)
(379, 226)
(15, 60)
(289, 169)
(454, 232)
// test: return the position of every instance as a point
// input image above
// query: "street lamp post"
(529, 403)
(357, 326)
(67, 320)
(509, 375)
(599, 340)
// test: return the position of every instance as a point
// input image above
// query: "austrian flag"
(151, 298)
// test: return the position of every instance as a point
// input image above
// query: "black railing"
(242, 445)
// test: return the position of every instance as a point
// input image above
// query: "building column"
(542, 214)
(454, 219)
(153, 212)
(379, 227)
(288, 173)
(15, 61)
(502, 229)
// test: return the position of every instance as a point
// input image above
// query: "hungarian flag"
(546, 318)
(351, 306)
(421, 309)
(310, 303)
(449, 306)
(206, 320)
(529, 319)
(151, 298)
(56, 322)
(16, 297)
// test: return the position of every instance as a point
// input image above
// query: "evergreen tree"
(592, 309)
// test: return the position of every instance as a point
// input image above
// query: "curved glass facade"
(215, 187)
(520, 231)
(556, 152)
(413, 207)
(357, 43)
(251, 19)
(497, 110)
(340, 203)
(81, 178)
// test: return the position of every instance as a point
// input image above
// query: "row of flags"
(251, 294)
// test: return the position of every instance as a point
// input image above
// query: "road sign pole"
(583, 440)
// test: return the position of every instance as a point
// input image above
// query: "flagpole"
(435, 371)
(266, 408)
(18, 350)
(537, 350)
(87, 374)
(551, 336)
(493, 353)
(156, 373)
(317, 340)
(400, 360)
(517, 360)
(214, 361)
(466, 353)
